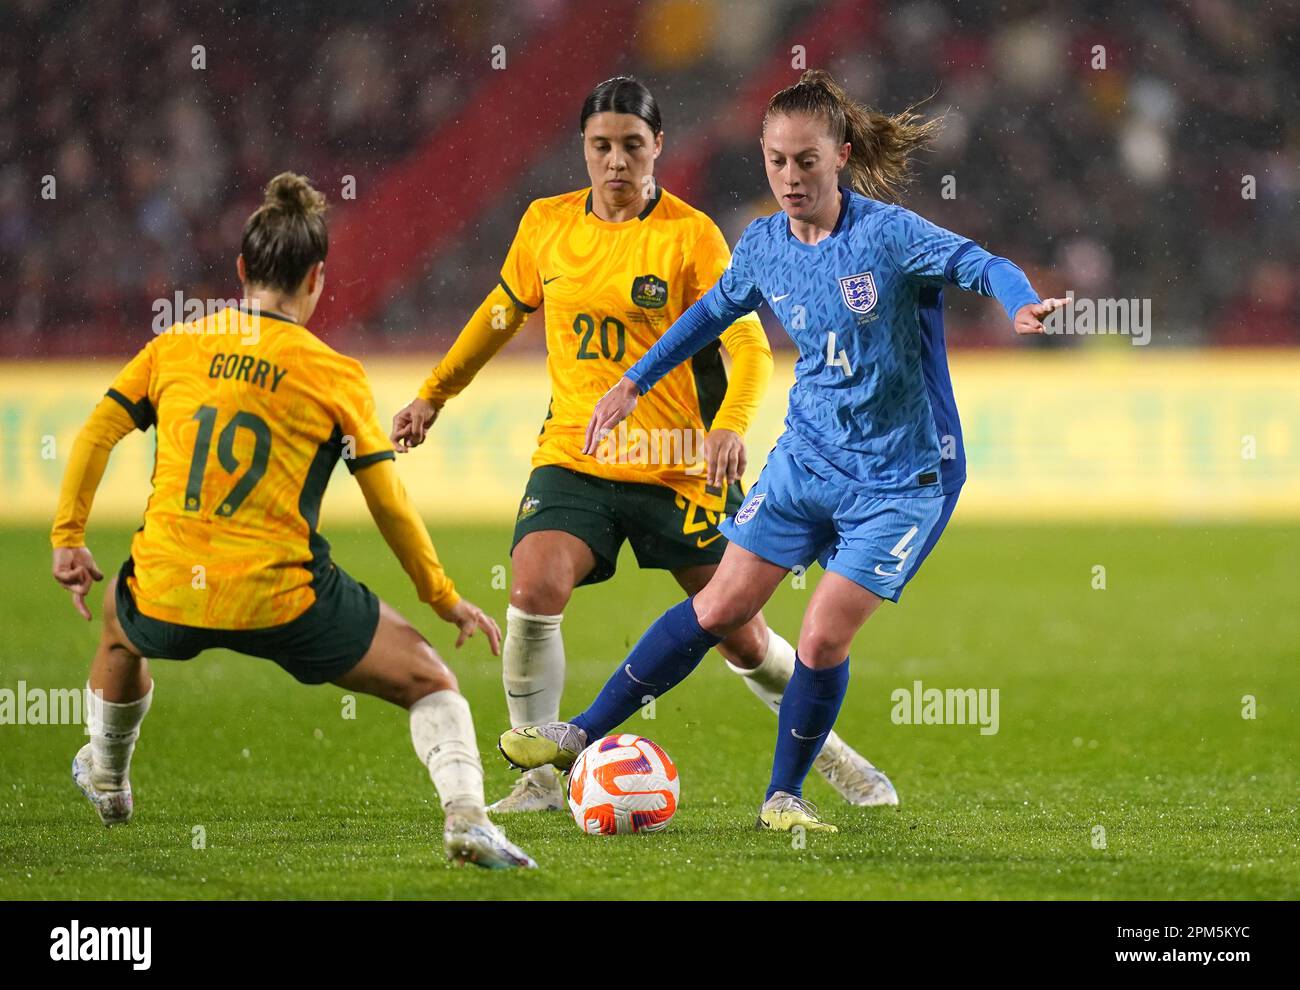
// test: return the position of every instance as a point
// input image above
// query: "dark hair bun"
(286, 235)
(292, 193)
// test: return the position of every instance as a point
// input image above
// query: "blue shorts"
(793, 517)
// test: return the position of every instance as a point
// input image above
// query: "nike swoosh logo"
(548, 281)
(806, 738)
(701, 542)
(528, 695)
(779, 298)
(627, 669)
(885, 573)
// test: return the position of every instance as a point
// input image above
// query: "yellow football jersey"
(252, 412)
(610, 291)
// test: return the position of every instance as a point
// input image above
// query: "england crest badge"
(859, 292)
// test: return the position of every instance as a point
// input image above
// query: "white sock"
(532, 667)
(442, 730)
(769, 678)
(114, 728)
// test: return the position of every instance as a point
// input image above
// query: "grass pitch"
(1120, 710)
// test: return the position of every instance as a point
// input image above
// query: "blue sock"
(808, 708)
(668, 651)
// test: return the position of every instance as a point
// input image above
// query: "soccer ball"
(623, 784)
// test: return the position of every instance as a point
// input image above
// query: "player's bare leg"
(119, 691)
(838, 609)
(402, 667)
(546, 566)
(765, 660)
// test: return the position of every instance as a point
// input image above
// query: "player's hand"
(75, 569)
(1029, 318)
(724, 452)
(412, 423)
(614, 406)
(468, 618)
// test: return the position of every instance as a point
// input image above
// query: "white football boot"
(469, 837)
(855, 777)
(113, 807)
(536, 790)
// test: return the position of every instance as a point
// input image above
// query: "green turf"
(1120, 708)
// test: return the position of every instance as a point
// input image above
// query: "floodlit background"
(1144, 153)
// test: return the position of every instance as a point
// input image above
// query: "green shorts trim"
(322, 644)
(666, 530)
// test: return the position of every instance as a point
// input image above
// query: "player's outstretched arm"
(495, 322)
(74, 566)
(704, 321)
(935, 255)
(992, 275)
(406, 536)
(1003, 279)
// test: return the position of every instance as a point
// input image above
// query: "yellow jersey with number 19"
(252, 413)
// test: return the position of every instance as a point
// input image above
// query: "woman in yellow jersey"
(251, 413)
(615, 264)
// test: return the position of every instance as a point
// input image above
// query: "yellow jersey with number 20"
(610, 290)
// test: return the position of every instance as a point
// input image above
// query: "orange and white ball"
(623, 784)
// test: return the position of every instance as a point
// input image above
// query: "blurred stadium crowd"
(1125, 181)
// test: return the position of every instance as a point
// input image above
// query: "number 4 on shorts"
(902, 551)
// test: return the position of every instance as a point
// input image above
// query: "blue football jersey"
(872, 404)
(872, 399)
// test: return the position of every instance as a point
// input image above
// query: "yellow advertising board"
(1139, 434)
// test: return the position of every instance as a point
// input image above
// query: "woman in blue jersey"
(868, 470)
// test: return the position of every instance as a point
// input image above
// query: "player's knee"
(540, 593)
(723, 615)
(820, 648)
